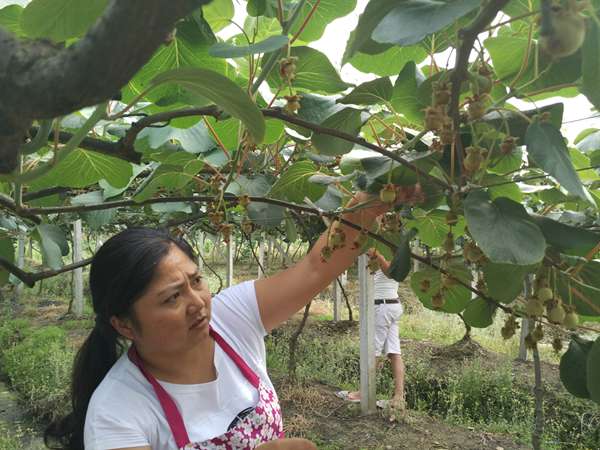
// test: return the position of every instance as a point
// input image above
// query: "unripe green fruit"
(534, 307)
(571, 320)
(387, 193)
(557, 313)
(544, 294)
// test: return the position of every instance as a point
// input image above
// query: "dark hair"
(120, 272)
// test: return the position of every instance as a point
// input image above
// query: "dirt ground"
(335, 424)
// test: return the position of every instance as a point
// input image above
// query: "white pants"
(387, 339)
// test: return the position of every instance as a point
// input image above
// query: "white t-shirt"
(384, 287)
(125, 412)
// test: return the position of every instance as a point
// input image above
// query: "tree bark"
(42, 80)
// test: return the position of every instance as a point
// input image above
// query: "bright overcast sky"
(333, 44)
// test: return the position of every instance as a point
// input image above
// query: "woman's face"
(174, 312)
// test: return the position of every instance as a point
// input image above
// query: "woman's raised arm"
(285, 293)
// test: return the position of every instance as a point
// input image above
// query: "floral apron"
(262, 424)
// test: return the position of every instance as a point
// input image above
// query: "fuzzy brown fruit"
(534, 307)
(557, 313)
(545, 294)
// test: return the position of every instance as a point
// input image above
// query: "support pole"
(77, 273)
(367, 337)
(21, 265)
(261, 258)
(230, 254)
(525, 323)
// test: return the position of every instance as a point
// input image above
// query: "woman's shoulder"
(121, 385)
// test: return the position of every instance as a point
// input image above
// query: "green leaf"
(53, 243)
(218, 14)
(581, 163)
(7, 251)
(360, 38)
(410, 22)
(546, 147)
(507, 53)
(503, 230)
(390, 62)
(593, 371)
(515, 122)
(94, 219)
(60, 20)
(222, 91)
(566, 238)
(314, 73)
(401, 263)
(170, 178)
(505, 281)
(590, 142)
(479, 313)
(195, 139)
(294, 184)
(189, 48)
(83, 168)
(404, 96)
(369, 93)
(10, 19)
(432, 226)
(456, 296)
(326, 12)
(516, 8)
(348, 120)
(503, 188)
(591, 63)
(224, 50)
(573, 365)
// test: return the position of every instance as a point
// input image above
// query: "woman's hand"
(285, 293)
(288, 444)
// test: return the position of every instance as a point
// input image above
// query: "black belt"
(387, 301)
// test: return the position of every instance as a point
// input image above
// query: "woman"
(195, 373)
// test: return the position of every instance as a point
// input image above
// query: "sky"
(334, 41)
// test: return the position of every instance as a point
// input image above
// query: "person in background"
(388, 310)
(167, 367)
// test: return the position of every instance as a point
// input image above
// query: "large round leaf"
(222, 91)
(401, 262)
(432, 226)
(83, 168)
(326, 12)
(60, 20)
(10, 19)
(567, 238)
(369, 93)
(404, 96)
(593, 371)
(505, 281)
(409, 22)
(573, 366)
(348, 120)
(389, 62)
(479, 313)
(503, 230)
(218, 14)
(582, 291)
(546, 147)
(189, 48)
(456, 296)
(53, 243)
(360, 38)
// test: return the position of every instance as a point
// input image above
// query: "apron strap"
(169, 407)
(166, 402)
(248, 373)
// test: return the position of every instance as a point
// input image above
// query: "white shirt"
(384, 287)
(125, 412)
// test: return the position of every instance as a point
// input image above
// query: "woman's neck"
(193, 366)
